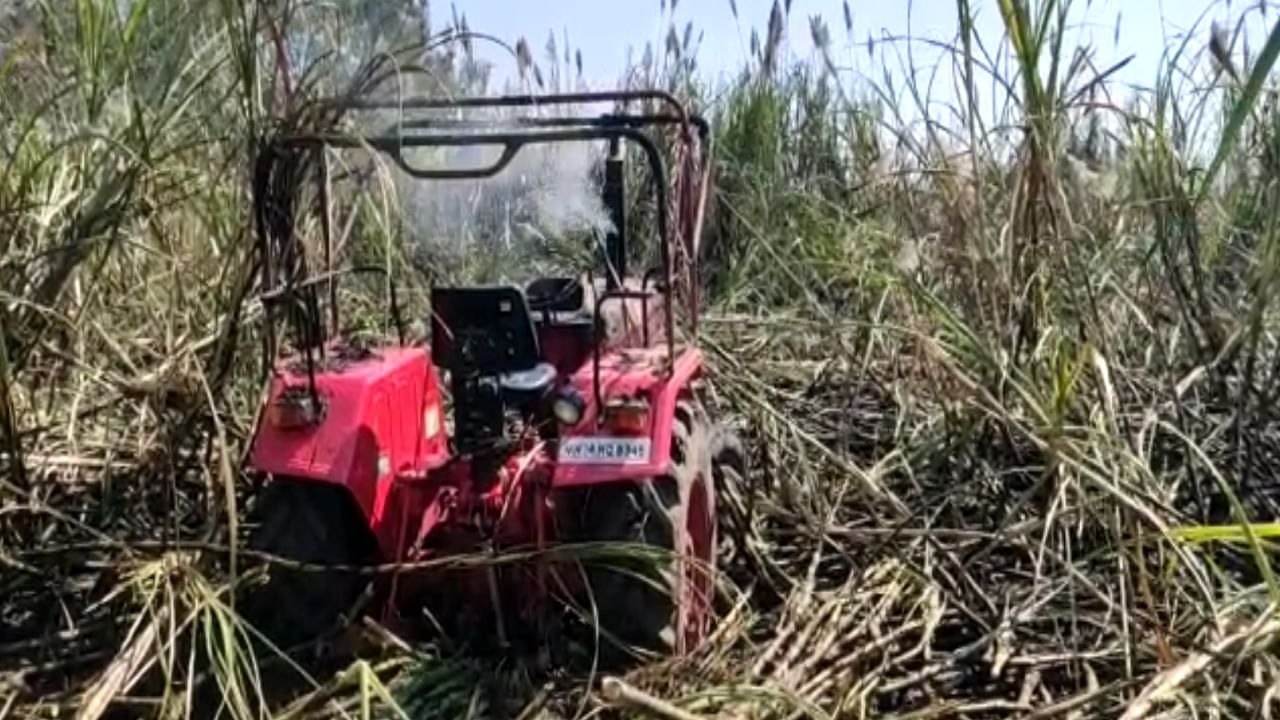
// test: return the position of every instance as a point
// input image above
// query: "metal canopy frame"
(613, 127)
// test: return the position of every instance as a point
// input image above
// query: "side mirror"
(555, 295)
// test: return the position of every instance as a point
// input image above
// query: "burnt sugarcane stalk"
(620, 692)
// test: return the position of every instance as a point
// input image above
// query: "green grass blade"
(1246, 528)
(1232, 533)
(1242, 109)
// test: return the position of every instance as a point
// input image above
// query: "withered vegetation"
(1009, 382)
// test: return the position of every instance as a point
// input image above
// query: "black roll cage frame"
(691, 190)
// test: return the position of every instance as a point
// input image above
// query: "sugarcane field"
(657, 359)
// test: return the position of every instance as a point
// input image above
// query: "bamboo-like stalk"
(1002, 356)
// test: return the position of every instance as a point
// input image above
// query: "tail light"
(629, 416)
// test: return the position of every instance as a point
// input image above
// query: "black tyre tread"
(728, 450)
(731, 471)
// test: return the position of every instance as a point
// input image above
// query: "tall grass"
(1008, 375)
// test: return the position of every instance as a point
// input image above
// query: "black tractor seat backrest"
(486, 330)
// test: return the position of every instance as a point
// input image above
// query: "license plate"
(604, 451)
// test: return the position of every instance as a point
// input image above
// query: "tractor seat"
(534, 381)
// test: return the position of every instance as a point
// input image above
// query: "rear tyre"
(656, 604)
(631, 597)
(312, 523)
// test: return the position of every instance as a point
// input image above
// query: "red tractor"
(542, 425)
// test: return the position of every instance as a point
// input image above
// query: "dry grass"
(1009, 385)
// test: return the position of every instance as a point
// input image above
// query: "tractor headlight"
(567, 406)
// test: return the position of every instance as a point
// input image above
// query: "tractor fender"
(590, 453)
(382, 420)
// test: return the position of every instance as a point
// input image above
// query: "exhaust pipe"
(615, 197)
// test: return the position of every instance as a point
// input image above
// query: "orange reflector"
(629, 417)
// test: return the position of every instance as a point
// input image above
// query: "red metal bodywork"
(383, 437)
(631, 374)
(382, 418)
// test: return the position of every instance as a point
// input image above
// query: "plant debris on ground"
(1008, 383)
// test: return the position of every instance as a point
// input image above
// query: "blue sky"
(604, 30)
